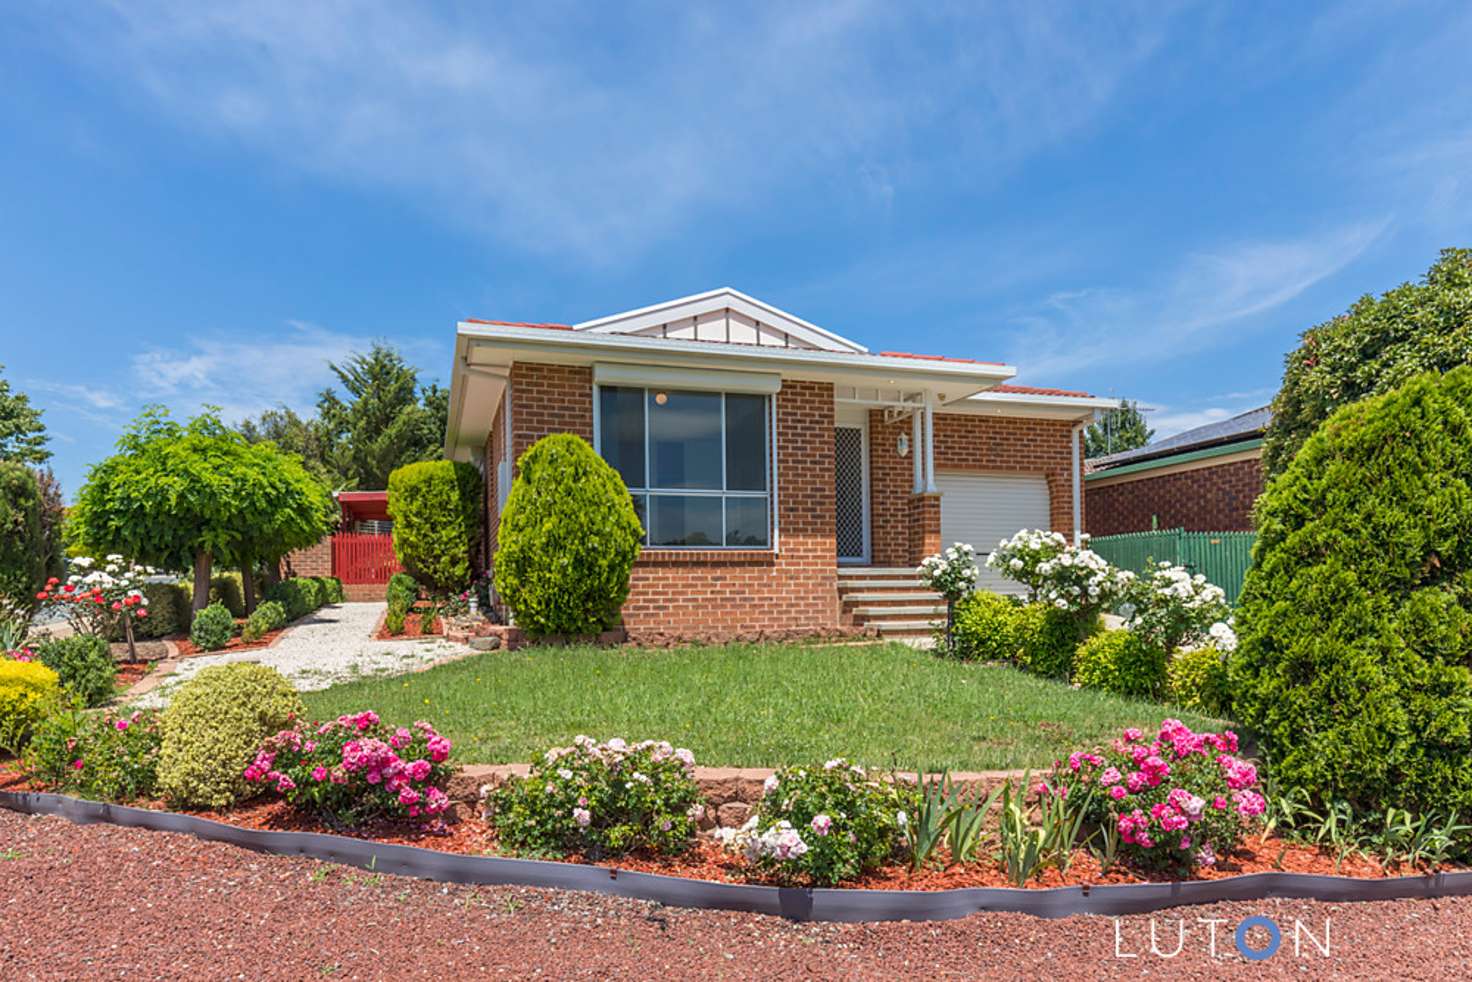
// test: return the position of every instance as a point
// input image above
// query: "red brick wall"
(1206, 499)
(549, 399)
(495, 446)
(924, 527)
(313, 561)
(964, 443)
(721, 594)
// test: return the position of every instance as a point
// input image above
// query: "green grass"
(753, 705)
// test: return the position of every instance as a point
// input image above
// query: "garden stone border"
(836, 904)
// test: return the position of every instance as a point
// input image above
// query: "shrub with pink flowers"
(600, 799)
(355, 768)
(1179, 799)
(823, 825)
(105, 755)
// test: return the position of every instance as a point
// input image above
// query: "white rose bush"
(1064, 576)
(952, 573)
(1172, 607)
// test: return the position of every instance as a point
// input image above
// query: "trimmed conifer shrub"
(436, 508)
(568, 539)
(1355, 623)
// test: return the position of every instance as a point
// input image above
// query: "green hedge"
(1198, 679)
(987, 628)
(1049, 637)
(229, 589)
(1121, 662)
(298, 596)
(332, 591)
(1355, 624)
(268, 616)
(568, 539)
(169, 612)
(436, 508)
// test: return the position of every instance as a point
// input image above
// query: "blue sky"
(206, 204)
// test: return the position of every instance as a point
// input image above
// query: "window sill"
(705, 556)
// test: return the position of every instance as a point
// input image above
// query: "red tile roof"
(1032, 390)
(549, 327)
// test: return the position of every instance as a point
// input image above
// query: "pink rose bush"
(600, 799)
(823, 825)
(1183, 799)
(103, 755)
(355, 768)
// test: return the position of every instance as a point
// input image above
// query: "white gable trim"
(681, 315)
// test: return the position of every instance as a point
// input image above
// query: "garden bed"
(706, 878)
(412, 628)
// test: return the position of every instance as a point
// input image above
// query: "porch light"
(660, 398)
(904, 446)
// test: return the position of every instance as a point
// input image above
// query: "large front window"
(697, 463)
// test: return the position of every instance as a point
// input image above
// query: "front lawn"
(754, 705)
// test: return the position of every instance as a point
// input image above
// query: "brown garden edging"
(834, 904)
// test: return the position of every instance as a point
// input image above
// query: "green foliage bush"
(393, 621)
(169, 612)
(1121, 662)
(312, 593)
(29, 692)
(213, 628)
(84, 665)
(1198, 679)
(102, 756)
(1379, 344)
(268, 616)
(987, 628)
(402, 591)
(568, 539)
(213, 727)
(1049, 636)
(298, 596)
(436, 506)
(229, 589)
(332, 591)
(26, 558)
(1355, 636)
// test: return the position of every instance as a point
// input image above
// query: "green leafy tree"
(305, 437)
(1117, 430)
(436, 507)
(22, 434)
(28, 555)
(182, 496)
(1354, 664)
(386, 421)
(1377, 345)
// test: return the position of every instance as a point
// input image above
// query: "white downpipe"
(929, 444)
(1078, 500)
(917, 449)
(776, 500)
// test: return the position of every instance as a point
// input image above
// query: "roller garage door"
(984, 508)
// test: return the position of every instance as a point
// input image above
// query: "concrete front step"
(865, 572)
(912, 596)
(910, 584)
(899, 629)
(903, 613)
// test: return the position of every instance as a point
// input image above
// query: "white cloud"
(569, 129)
(1207, 298)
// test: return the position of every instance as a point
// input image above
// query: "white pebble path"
(334, 644)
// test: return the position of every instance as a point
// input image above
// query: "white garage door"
(982, 509)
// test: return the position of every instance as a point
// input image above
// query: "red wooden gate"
(360, 558)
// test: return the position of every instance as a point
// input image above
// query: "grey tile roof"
(1244, 426)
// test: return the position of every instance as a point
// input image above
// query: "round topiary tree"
(568, 539)
(436, 508)
(1354, 665)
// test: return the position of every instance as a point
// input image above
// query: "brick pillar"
(924, 525)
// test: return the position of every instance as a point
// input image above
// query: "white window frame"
(769, 422)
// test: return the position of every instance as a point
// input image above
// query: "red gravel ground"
(82, 902)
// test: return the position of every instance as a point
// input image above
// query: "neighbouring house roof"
(727, 331)
(1244, 427)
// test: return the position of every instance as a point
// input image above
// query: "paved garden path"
(332, 645)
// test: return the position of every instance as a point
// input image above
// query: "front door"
(851, 493)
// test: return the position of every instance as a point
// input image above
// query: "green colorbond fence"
(1222, 557)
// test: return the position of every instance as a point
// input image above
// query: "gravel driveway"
(102, 901)
(330, 646)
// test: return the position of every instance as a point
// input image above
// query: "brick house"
(775, 465)
(1202, 480)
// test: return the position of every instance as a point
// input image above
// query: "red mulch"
(188, 648)
(129, 672)
(411, 629)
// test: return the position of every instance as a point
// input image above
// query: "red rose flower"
(41, 595)
(142, 611)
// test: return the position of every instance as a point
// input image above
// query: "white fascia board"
(584, 348)
(1032, 404)
(703, 379)
(715, 300)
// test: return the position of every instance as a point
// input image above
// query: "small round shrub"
(1355, 621)
(987, 628)
(213, 728)
(1196, 678)
(1121, 662)
(1048, 638)
(267, 617)
(823, 825)
(29, 692)
(212, 629)
(600, 799)
(568, 539)
(436, 506)
(332, 589)
(84, 665)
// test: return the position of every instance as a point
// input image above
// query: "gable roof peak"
(730, 305)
